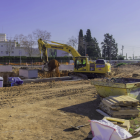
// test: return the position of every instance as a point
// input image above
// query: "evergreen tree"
(80, 43)
(91, 44)
(81, 33)
(109, 47)
(93, 49)
(82, 51)
(88, 36)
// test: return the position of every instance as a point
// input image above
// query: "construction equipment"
(117, 86)
(82, 65)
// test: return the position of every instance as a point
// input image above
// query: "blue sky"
(64, 18)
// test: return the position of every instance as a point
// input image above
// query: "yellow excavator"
(82, 64)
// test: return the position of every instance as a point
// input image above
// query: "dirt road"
(46, 111)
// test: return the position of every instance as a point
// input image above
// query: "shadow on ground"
(86, 109)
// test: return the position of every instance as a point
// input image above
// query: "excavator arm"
(43, 46)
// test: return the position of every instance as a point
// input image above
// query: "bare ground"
(46, 111)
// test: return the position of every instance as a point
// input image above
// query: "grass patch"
(134, 124)
(121, 64)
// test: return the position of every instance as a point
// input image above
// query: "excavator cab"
(80, 62)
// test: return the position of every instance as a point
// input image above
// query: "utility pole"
(20, 55)
(105, 52)
(133, 56)
(122, 50)
(109, 52)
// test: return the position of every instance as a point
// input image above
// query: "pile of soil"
(127, 71)
(43, 74)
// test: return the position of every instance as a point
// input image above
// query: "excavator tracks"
(86, 76)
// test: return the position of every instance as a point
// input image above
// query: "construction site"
(53, 109)
(55, 101)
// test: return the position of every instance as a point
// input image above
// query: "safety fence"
(32, 63)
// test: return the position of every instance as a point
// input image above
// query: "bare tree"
(43, 34)
(18, 39)
(28, 44)
(9, 47)
(73, 42)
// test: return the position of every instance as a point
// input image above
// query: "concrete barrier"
(28, 73)
(66, 67)
(47, 79)
(5, 68)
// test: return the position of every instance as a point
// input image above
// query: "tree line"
(87, 45)
(28, 42)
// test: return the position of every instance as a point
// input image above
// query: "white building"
(9, 48)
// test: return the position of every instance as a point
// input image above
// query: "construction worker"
(84, 61)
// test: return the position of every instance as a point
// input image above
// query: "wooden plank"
(115, 107)
(136, 131)
(126, 124)
(108, 102)
(125, 112)
(127, 100)
(102, 113)
(104, 108)
(131, 99)
(104, 103)
(109, 99)
(115, 119)
(126, 97)
(127, 108)
(121, 100)
(125, 116)
(117, 98)
(135, 100)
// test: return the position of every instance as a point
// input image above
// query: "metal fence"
(29, 62)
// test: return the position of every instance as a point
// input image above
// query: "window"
(12, 51)
(79, 63)
(12, 46)
(100, 61)
(1, 52)
(1, 45)
(6, 52)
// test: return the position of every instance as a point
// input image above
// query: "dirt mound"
(53, 64)
(16, 71)
(43, 74)
(126, 71)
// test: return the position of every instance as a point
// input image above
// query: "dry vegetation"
(127, 71)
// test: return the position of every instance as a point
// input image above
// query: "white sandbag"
(106, 130)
